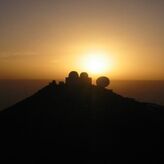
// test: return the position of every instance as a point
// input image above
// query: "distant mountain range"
(82, 124)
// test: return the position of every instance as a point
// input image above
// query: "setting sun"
(96, 63)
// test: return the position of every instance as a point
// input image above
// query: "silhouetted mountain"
(82, 123)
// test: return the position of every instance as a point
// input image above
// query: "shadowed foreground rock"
(78, 122)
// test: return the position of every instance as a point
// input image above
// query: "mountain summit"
(73, 121)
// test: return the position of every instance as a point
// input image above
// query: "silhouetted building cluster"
(83, 80)
(74, 79)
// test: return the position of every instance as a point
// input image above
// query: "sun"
(96, 63)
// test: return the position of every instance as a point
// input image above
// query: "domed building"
(74, 79)
(85, 80)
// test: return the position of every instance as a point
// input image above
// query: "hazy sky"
(47, 38)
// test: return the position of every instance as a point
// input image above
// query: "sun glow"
(97, 63)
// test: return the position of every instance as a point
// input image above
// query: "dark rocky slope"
(82, 124)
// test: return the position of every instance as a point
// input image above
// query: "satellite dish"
(102, 82)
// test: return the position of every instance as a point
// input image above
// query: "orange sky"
(47, 39)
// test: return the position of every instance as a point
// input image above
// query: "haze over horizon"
(47, 39)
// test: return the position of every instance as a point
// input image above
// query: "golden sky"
(47, 39)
